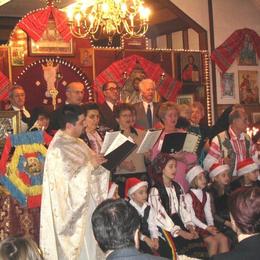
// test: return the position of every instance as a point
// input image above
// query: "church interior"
(104, 56)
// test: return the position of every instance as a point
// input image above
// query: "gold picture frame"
(10, 123)
(185, 99)
(51, 43)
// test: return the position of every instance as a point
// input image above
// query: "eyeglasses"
(112, 89)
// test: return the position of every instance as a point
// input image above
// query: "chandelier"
(108, 17)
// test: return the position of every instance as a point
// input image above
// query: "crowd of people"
(173, 205)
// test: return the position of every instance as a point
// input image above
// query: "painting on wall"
(256, 117)
(86, 57)
(247, 54)
(190, 66)
(248, 87)
(185, 99)
(17, 56)
(227, 85)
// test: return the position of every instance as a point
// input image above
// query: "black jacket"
(247, 249)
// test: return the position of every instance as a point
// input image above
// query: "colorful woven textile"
(168, 87)
(226, 53)
(4, 86)
(36, 22)
(22, 174)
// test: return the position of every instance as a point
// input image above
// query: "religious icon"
(248, 88)
(247, 54)
(227, 85)
(190, 66)
(86, 55)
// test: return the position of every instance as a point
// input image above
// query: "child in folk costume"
(248, 172)
(136, 191)
(167, 198)
(198, 203)
(219, 192)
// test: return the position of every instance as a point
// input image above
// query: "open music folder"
(116, 147)
(176, 142)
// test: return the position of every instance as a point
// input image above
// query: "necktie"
(24, 118)
(149, 116)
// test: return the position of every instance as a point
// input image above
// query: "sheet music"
(149, 140)
(108, 140)
(191, 143)
(119, 140)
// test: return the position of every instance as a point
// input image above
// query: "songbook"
(149, 140)
(176, 142)
(117, 150)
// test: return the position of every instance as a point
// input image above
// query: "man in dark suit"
(111, 93)
(115, 225)
(17, 100)
(146, 111)
(74, 96)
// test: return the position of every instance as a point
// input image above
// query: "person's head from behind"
(17, 96)
(115, 225)
(244, 206)
(75, 93)
(19, 248)
(249, 170)
(136, 190)
(72, 120)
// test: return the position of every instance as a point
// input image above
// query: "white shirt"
(162, 218)
(145, 104)
(111, 105)
(151, 218)
(24, 126)
(207, 209)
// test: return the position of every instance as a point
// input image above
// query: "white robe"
(71, 191)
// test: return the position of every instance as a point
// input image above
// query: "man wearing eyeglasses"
(111, 93)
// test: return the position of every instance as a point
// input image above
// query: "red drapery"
(4, 86)
(168, 87)
(36, 22)
(226, 53)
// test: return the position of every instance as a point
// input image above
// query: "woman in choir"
(91, 135)
(169, 114)
(134, 164)
(167, 199)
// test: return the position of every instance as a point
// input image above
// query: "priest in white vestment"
(74, 183)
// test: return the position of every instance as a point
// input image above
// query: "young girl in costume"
(248, 172)
(167, 198)
(136, 191)
(219, 191)
(198, 203)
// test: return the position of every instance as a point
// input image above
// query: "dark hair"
(256, 137)
(90, 106)
(244, 206)
(114, 223)
(235, 114)
(104, 87)
(19, 248)
(70, 114)
(38, 111)
(122, 107)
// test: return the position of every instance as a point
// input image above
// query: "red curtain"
(226, 53)
(168, 87)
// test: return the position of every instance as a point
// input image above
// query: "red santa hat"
(132, 185)
(111, 189)
(217, 168)
(246, 166)
(193, 172)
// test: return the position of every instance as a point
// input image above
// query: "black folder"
(173, 142)
(118, 155)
